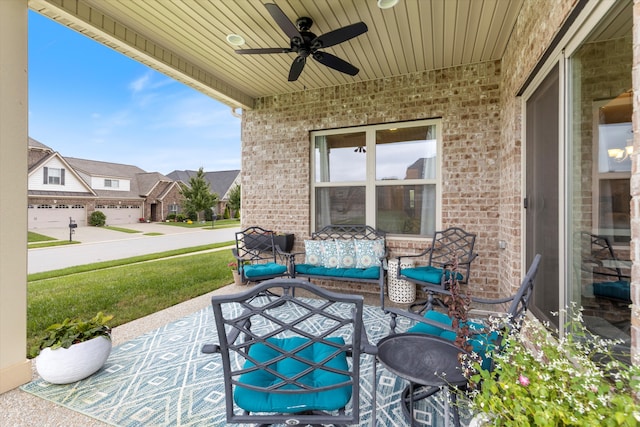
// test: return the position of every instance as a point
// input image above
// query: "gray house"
(220, 183)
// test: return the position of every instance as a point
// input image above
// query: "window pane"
(341, 158)
(340, 205)
(601, 110)
(406, 209)
(406, 153)
(54, 176)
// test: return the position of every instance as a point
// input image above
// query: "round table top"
(422, 359)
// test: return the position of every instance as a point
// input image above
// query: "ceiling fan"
(305, 43)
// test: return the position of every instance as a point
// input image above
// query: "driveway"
(100, 244)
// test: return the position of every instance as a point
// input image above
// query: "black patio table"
(423, 360)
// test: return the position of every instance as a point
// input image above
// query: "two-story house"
(66, 188)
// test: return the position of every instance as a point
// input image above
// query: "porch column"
(15, 369)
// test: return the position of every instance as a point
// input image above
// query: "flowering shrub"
(570, 381)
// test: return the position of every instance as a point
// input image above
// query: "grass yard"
(35, 237)
(128, 292)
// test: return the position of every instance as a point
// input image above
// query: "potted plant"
(74, 349)
(540, 379)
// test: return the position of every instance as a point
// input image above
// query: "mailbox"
(72, 227)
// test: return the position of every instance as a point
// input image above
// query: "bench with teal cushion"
(329, 400)
(354, 253)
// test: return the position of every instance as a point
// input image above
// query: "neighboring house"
(64, 188)
(220, 183)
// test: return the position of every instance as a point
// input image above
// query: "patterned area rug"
(163, 379)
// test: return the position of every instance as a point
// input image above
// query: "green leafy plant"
(97, 219)
(73, 331)
(542, 380)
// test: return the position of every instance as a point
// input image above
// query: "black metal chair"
(481, 339)
(258, 256)
(289, 359)
(446, 246)
(599, 260)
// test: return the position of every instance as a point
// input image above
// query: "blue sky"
(91, 102)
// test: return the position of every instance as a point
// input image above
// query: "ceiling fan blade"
(336, 63)
(340, 35)
(296, 68)
(283, 22)
(263, 50)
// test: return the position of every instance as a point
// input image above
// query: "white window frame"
(370, 182)
(111, 183)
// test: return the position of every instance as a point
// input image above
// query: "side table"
(400, 290)
(423, 360)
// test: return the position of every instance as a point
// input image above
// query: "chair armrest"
(365, 345)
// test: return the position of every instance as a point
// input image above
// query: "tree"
(198, 196)
(234, 200)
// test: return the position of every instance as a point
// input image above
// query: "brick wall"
(276, 150)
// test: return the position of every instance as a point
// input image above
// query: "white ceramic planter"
(68, 365)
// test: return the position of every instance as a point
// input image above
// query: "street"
(99, 244)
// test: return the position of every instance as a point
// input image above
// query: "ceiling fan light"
(235, 40)
(387, 4)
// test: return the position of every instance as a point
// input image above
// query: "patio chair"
(446, 246)
(257, 255)
(599, 260)
(289, 359)
(481, 340)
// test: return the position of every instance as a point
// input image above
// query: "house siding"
(276, 151)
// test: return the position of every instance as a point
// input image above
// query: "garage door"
(120, 214)
(56, 216)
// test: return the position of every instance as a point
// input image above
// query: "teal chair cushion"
(481, 343)
(268, 269)
(354, 273)
(428, 274)
(619, 290)
(259, 401)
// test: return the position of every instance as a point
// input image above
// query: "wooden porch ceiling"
(186, 39)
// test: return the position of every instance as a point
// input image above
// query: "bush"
(171, 217)
(97, 219)
(180, 217)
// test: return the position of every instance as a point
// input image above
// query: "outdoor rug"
(163, 379)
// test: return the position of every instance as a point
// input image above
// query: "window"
(53, 176)
(111, 183)
(173, 209)
(386, 176)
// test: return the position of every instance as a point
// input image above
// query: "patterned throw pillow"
(368, 252)
(330, 254)
(346, 253)
(313, 252)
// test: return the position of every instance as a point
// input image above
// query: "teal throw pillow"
(346, 251)
(368, 252)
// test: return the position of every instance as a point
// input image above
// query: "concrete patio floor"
(21, 409)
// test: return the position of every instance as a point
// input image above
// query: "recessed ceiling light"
(386, 4)
(235, 40)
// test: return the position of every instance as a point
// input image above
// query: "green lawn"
(129, 291)
(35, 237)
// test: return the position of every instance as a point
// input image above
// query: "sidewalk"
(101, 244)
